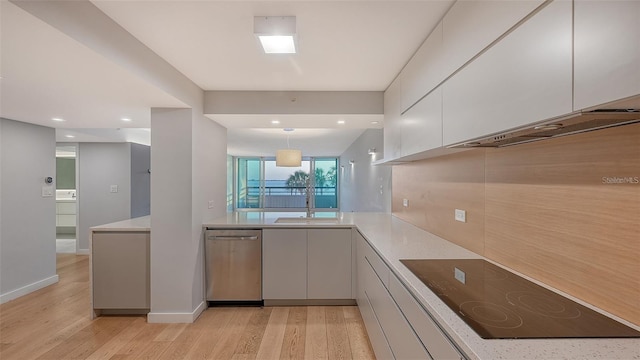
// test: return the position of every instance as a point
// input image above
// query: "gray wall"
(101, 165)
(140, 180)
(364, 187)
(27, 220)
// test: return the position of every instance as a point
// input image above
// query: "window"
(261, 185)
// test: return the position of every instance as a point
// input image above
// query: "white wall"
(28, 231)
(140, 180)
(101, 165)
(364, 187)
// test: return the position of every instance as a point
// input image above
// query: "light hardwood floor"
(53, 323)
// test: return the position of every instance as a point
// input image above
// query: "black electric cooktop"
(499, 304)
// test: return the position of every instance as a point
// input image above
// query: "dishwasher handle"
(239, 237)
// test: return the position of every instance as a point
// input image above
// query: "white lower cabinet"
(284, 264)
(329, 264)
(120, 270)
(306, 264)
(397, 325)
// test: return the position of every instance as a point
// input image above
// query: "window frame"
(263, 159)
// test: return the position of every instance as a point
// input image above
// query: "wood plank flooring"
(53, 323)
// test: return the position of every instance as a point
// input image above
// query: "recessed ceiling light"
(340, 122)
(374, 122)
(57, 119)
(275, 121)
(69, 136)
(125, 119)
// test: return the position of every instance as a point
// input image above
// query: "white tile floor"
(65, 245)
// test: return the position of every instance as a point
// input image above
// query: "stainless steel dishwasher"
(233, 262)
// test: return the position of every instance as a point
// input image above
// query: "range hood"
(567, 125)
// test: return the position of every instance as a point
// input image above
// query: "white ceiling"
(343, 45)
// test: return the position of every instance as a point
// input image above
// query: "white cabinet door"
(392, 143)
(524, 78)
(329, 264)
(607, 51)
(284, 261)
(421, 127)
(470, 26)
(120, 264)
(424, 71)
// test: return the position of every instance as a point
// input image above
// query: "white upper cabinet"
(392, 120)
(424, 71)
(607, 51)
(524, 78)
(470, 26)
(421, 126)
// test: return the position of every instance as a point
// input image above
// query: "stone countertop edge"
(139, 224)
(394, 239)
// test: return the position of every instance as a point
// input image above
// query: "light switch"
(114, 188)
(47, 191)
(210, 204)
(461, 215)
(405, 202)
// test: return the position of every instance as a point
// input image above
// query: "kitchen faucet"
(308, 191)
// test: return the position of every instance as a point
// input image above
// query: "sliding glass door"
(260, 185)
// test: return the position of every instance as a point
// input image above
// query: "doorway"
(66, 198)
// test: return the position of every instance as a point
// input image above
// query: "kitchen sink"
(306, 220)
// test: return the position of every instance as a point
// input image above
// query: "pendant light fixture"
(288, 157)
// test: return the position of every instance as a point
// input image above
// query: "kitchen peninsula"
(391, 240)
(119, 267)
(382, 240)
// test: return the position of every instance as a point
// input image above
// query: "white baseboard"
(14, 294)
(82, 252)
(185, 318)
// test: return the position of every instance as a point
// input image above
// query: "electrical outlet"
(114, 188)
(461, 215)
(459, 275)
(405, 202)
(210, 204)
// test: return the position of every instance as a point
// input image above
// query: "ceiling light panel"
(277, 34)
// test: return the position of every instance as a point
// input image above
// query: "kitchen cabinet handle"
(233, 237)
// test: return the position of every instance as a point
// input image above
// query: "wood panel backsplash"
(438, 186)
(564, 211)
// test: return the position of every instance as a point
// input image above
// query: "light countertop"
(395, 239)
(142, 223)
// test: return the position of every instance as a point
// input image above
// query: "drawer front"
(403, 341)
(374, 331)
(380, 268)
(433, 339)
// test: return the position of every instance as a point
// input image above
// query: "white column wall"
(172, 243)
